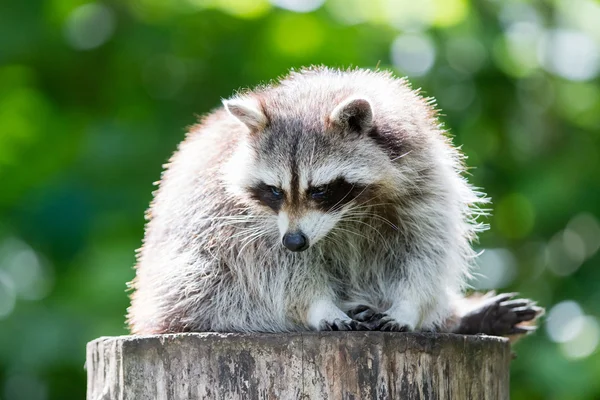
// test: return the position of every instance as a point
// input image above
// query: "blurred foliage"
(94, 97)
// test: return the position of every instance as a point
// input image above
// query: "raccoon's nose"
(296, 241)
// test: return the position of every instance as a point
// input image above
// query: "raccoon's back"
(190, 188)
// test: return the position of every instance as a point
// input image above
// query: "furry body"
(355, 165)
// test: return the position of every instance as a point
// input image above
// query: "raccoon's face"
(307, 209)
(310, 173)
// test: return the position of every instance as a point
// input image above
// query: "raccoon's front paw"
(501, 315)
(364, 313)
(368, 317)
(401, 317)
(342, 325)
(389, 324)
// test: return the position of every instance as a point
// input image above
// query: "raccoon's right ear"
(354, 114)
(248, 111)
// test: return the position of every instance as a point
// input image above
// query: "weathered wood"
(328, 365)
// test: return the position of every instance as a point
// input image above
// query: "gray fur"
(212, 258)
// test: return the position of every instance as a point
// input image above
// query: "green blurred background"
(94, 97)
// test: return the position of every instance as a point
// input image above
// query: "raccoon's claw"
(501, 316)
(522, 330)
(388, 324)
(335, 325)
(342, 325)
(371, 320)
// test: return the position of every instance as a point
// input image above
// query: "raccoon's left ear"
(248, 111)
(354, 114)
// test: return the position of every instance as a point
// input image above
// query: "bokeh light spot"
(348, 12)
(301, 6)
(31, 276)
(587, 227)
(410, 16)
(563, 322)
(582, 14)
(585, 341)
(450, 12)
(565, 253)
(413, 54)
(570, 54)
(7, 295)
(244, 8)
(515, 50)
(522, 39)
(514, 12)
(574, 245)
(89, 26)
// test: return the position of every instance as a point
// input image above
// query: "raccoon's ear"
(354, 114)
(248, 111)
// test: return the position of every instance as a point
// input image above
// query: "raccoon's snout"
(296, 241)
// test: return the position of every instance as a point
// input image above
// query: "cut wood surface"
(315, 365)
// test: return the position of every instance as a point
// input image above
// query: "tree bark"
(315, 365)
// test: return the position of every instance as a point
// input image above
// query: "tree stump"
(312, 365)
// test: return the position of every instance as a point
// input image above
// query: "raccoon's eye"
(318, 192)
(270, 196)
(277, 192)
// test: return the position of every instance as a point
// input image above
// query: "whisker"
(400, 156)
(376, 230)
(341, 244)
(342, 199)
(371, 215)
(354, 233)
(366, 204)
(249, 240)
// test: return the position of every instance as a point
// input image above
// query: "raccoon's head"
(309, 168)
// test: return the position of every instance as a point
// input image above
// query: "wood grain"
(315, 365)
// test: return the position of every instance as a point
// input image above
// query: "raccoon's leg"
(403, 316)
(406, 313)
(417, 289)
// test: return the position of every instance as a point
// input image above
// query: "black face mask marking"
(334, 195)
(270, 196)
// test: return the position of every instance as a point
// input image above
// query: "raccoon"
(329, 200)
